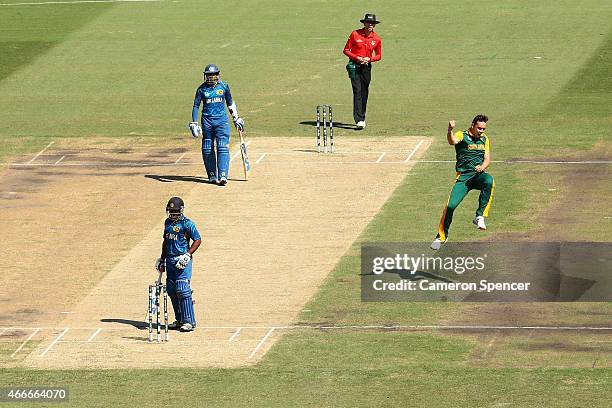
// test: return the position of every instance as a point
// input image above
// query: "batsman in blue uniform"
(214, 95)
(181, 240)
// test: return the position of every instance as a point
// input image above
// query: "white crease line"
(554, 162)
(261, 158)
(179, 159)
(238, 152)
(381, 157)
(41, 152)
(78, 2)
(93, 336)
(416, 148)
(60, 159)
(234, 156)
(25, 342)
(261, 342)
(54, 341)
(263, 107)
(236, 333)
(345, 327)
(137, 164)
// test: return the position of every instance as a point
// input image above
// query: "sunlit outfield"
(540, 71)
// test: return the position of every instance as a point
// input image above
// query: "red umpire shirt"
(358, 45)
(362, 43)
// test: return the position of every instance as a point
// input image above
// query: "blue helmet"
(175, 208)
(211, 74)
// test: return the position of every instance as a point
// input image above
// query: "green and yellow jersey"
(470, 151)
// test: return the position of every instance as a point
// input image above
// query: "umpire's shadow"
(172, 179)
(340, 125)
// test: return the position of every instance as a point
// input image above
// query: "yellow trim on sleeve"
(485, 213)
(458, 136)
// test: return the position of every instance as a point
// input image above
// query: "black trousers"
(361, 85)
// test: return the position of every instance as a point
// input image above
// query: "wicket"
(325, 110)
(155, 292)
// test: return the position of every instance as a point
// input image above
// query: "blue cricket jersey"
(177, 235)
(214, 99)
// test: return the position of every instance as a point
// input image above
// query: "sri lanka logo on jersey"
(176, 228)
(219, 91)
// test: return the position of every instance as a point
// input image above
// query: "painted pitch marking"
(41, 152)
(381, 157)
(416, 148)
(60, 159)
(25, 342)
(78, 2)
(236, 333)
(260, 158)
(93, 336)
(54, 342)
(238, 152)
(180, 157)
(261, 342)
(358, 327)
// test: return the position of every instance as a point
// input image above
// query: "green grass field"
(540, 71)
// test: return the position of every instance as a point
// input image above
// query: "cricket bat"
(245, 158)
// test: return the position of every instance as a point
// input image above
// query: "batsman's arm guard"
(233, 111)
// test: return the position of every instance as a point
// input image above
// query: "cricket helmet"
(211, 74)
(175, 208)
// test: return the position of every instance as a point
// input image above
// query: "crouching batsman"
(181, 240)
(213, 95)
(473, 154)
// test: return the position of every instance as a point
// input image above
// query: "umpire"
(363, 48)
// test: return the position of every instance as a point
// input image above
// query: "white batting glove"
(196, 129)
(182, 261)
(239, 123)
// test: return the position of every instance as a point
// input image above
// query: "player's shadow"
(135, 323)
(172, 179)
(187, 179)
(340, 125)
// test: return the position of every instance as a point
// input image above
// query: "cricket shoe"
(212, 180)
(361, 124)
(187, 327)
(175, 325)
(222, 181)
(478, 221)
(437, 243)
